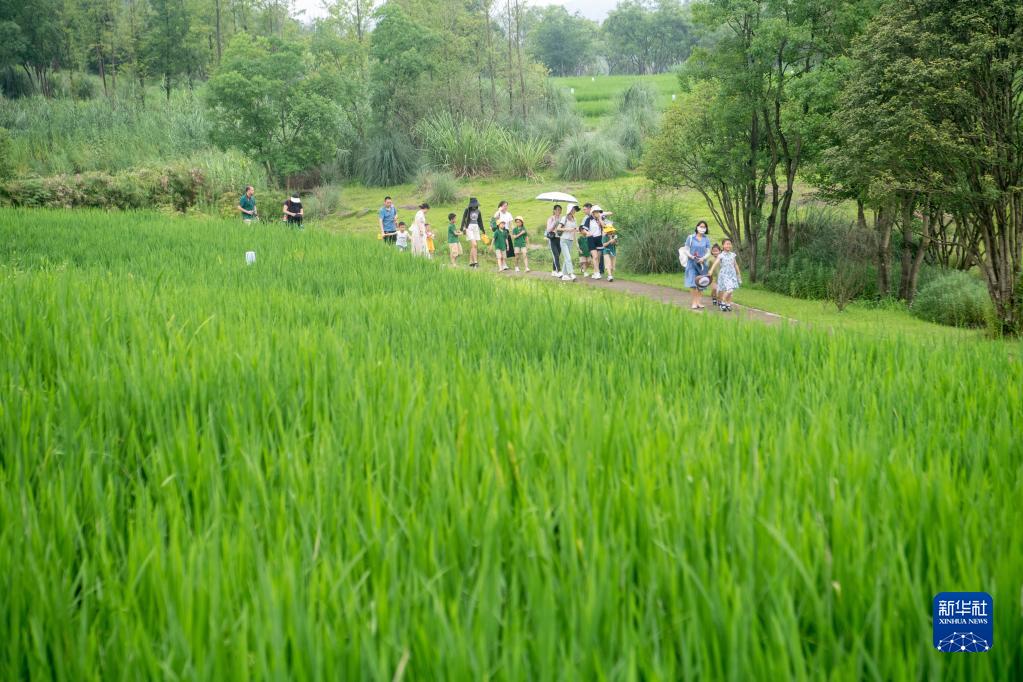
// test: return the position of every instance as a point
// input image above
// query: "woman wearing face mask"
(698, 245)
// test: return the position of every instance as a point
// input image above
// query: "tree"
(934, 116)
(642, 37)
(267, 100)
(563, 42)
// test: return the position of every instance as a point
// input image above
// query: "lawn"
(346, 463)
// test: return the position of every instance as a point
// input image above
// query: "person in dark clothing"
(472, 228)
(293, 213)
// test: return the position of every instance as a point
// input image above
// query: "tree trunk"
(883, 226)
(918, 260)
(908, 201)
(216, 4)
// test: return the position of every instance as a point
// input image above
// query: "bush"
(590, 157)
(554, 127)
(15, 83)
(465, 147)
(438, 187)
(322, 202)
(639, 96)
(629, 134)
(388, 158)
(649, 232)
(524, 156)
(6, 156)
(956, 299)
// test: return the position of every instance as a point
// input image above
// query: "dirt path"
(659, 293)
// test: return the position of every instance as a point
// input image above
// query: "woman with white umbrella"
(567, 234)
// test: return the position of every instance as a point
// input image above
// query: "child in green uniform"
(454, 248)
(501, 246)
(584, 251)
(520, 242)
(610, 243)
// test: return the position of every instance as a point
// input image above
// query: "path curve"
(656, 292)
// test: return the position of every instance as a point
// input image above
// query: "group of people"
(702, 261)
(588, 228)
(291, 212)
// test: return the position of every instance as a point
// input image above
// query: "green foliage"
(387, 158)
(267, 101)
(649, 231)
(7, 167)
(590, 157)
(463, 146)
(640, 38)
(955, 298)
(438, 187)
(51, 137)
(210, 447)
(324, 201)
(563, 42)
(198, 181)
(524, 157)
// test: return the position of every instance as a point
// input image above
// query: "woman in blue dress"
(698, 245)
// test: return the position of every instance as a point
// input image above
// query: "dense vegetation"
(911, 110)
(302, 469)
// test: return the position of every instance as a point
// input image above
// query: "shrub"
(955, 299)
(15, 83)
(438, 187)
(322, 202)
(554, 128)
(465, 147)
(629, 134)
(639, 96)
(388, 158)
(524, 156)
(590, 157)
(6, 156)
(648, 226)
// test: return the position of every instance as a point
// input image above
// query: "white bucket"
(250, 257)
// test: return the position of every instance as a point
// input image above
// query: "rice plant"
(590, 157)
(344, 463)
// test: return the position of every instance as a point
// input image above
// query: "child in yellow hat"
(610, 242)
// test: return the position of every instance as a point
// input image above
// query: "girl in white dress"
(419, 231)
(729, 277)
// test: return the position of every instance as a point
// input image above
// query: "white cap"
(596, 208)
(296, 199)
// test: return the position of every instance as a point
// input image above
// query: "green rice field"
(595, 95)
(344, 463)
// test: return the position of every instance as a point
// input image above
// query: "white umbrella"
(558, 196)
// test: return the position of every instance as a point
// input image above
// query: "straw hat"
(519, 219)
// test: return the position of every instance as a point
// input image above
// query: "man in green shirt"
(247, 204)
(454, 248)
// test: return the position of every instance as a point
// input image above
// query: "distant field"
(595, 96)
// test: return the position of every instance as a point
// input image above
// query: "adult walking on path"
(472, 228)
(388, 218)
(247, 204)
(698, 249)
(567, 233)
(595, 231)
(553, 235)
(419, 231)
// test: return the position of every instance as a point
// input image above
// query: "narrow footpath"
(659, 293)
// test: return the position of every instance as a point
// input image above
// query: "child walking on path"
(500, 244)
(729, 277)
(610, 244)
(454, 247)
(715, 251)
(520, 242)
